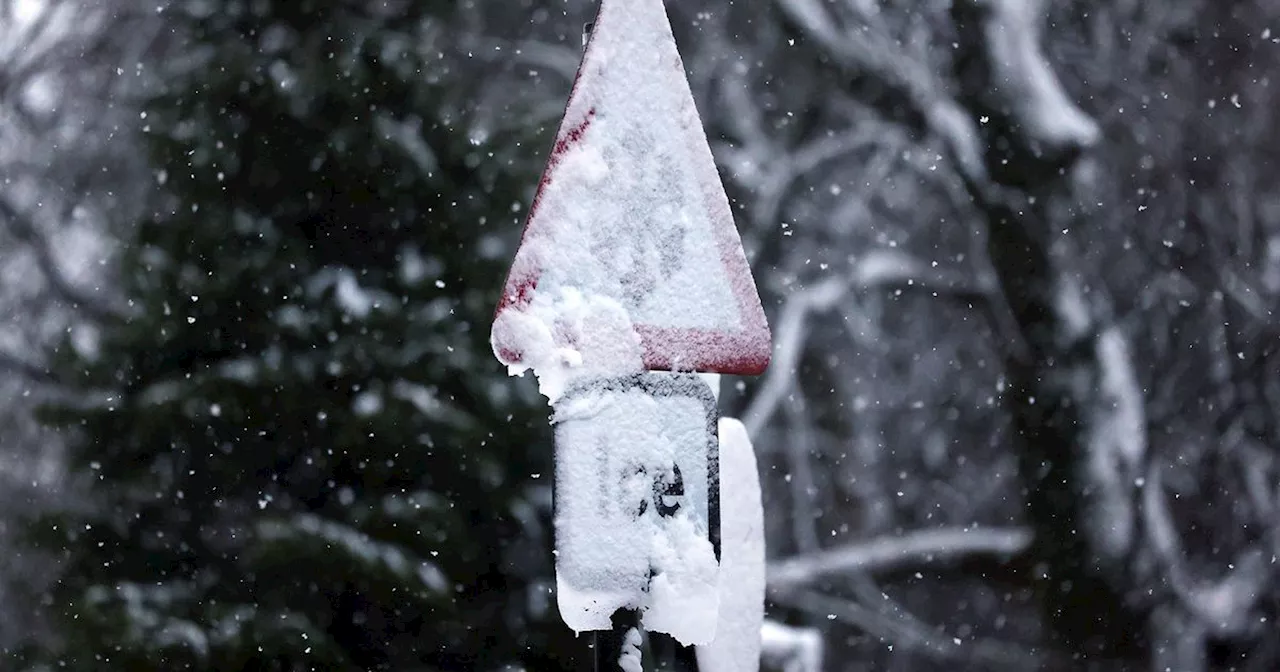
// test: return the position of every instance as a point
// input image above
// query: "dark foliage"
(299, 455)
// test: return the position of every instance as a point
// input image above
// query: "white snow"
(604, 343)
(684, 594)
(736, 647)
(630, 659)
(615, 549)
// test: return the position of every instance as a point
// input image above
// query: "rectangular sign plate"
(637, 504)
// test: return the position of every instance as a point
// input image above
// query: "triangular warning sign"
(631, 215)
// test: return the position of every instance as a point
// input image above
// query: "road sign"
(637, 504)
(631, 220)
(630, 275)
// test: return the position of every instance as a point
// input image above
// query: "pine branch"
(24, 368)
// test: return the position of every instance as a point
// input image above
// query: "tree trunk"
(1077, 405)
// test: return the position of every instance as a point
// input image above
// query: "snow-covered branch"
(785, 170)
(871, 53)
(892, 552)
(1021, 85)
(902, 631)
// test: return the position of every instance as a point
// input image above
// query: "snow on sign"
(630, 260)
(637, 504)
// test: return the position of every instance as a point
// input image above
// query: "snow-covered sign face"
(630, 259)
(637, 505)
(659, 257)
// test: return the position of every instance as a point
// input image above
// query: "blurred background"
(1021, 260)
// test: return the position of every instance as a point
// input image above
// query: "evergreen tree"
(300, 453)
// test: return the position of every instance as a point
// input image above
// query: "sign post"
(630, 278)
